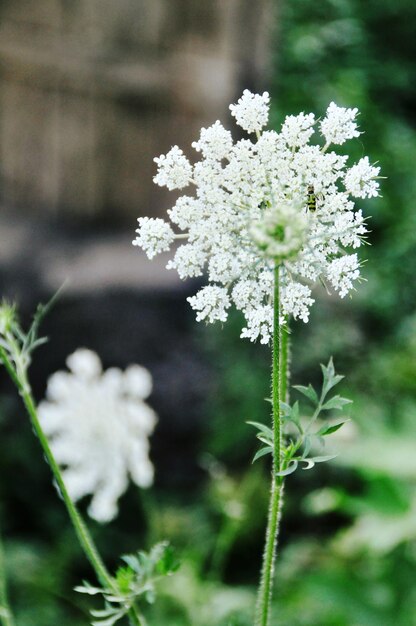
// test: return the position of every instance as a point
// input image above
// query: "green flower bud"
(280, 233)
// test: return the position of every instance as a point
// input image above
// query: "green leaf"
(88, 589)
(309, 392)
(335, 403)
(310, 462)
(124, 578)
(289, 470)
(110, 611)
(292, 415)
(111, 620)
(169, 563)
(328, 429)
(262, 428)
(285, 408)
(133, 562)
(150, 596)
(262, 452)
(267, 440)
(322, 459)
(330, 378)
(307, 444)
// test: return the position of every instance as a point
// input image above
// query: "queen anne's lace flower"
(98, 425)
(276, 200)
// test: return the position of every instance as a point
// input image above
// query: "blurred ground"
(46, 253)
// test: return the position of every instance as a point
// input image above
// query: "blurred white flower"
(98, 427)
(278, 199)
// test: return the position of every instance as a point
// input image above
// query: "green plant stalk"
(225, 540)
(6, 616)
(279, 393)
(81, 529)
(135, 617)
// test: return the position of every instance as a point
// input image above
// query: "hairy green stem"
(6, 616)
(279, 393)
(284, 362)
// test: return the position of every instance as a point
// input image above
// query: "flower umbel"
(276, 200)
(98, 425)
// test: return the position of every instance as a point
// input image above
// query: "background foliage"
(348, 551)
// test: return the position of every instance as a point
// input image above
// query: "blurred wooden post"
(92, 90)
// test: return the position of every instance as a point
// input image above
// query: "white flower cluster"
(98, 427)
(276, 200)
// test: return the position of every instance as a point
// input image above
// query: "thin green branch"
(85, 539)
(80, 527)
(6, 616)
(135, 617)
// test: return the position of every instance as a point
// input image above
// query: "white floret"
(296, 301)
(339, 124)
(251, 111)
(298, 129)
(173, 169)
(259, 324)
(154, 235)
(186, 211)
(360, 179)
(342, 272)
(211, 304)
(189, 261)
(350, 228)
(214, 142)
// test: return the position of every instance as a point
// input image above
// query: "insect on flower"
(312, 197)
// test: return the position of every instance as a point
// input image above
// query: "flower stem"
(135, 617)
(19, 378)
(6, 616)
(279, 393)
(222, 548)
(80, 527)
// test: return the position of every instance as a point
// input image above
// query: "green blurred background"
(348, 545)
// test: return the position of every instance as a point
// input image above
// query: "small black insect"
(311, 199)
